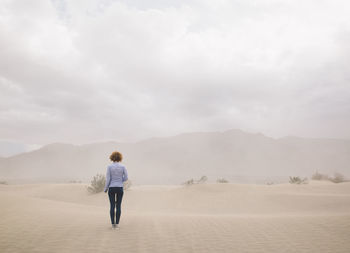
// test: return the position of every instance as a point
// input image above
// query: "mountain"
(235, 155)
(10, 148)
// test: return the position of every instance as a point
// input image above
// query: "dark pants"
(114, 192)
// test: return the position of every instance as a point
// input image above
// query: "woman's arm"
(108, 178)
(125, 175)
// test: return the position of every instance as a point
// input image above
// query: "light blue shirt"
(116, 175)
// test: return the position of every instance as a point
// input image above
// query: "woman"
(115, 177)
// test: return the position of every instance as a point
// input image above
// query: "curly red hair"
(116, 156)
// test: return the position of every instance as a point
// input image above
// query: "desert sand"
(198, 218)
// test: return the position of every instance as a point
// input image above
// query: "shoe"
(116, 226)
(113, 226)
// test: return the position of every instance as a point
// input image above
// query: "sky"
(85, 71)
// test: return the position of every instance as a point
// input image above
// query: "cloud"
(82, 71)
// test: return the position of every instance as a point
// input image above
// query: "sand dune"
(198, 218)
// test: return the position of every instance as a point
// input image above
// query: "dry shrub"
(337, 178)
(188, 182)
(202, 180)
(97, 184)
(127, 184)
(191, 181)
(222, 181)
(319, 176)
(297, 180)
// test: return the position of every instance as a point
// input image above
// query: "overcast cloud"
(88, 70)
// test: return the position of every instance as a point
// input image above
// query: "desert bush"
(191, 181)
(297, 180)
(221, 180)
(3, 182)
(127, 184)
(202, 180)
(338, 178)
(319, 176)
(188, 182)
(97, 184)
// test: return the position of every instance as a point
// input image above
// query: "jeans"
(114, 192)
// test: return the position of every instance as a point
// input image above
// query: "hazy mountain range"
(10, 148)
(235, 155)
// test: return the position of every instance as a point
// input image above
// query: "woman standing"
(115, 177)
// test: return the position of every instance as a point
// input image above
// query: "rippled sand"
(198, 218)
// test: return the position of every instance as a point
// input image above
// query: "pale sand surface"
(198, 218)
